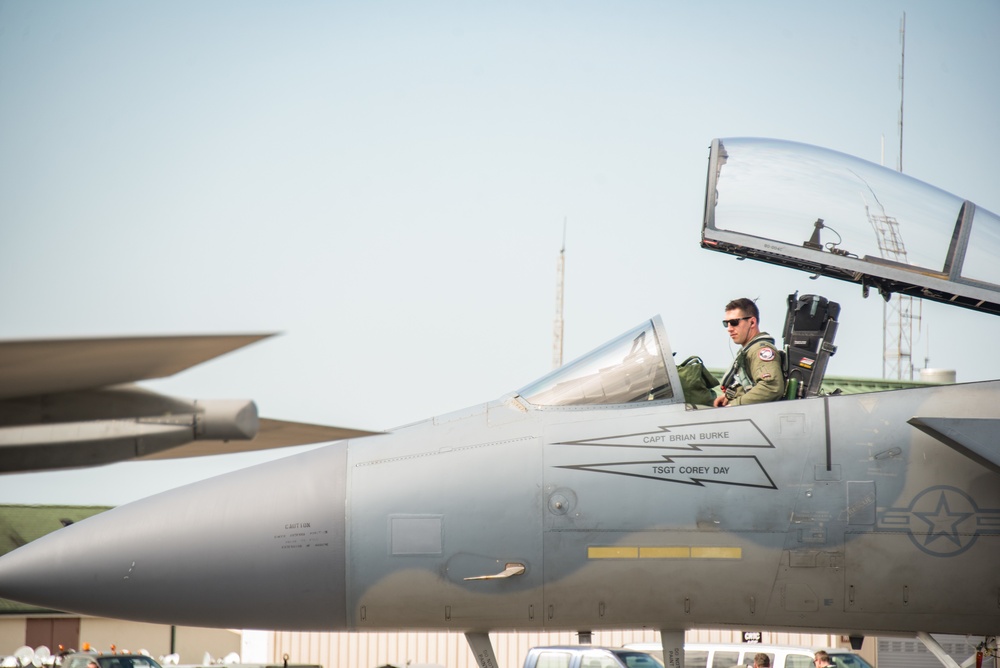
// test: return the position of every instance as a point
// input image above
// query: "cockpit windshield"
(836, 215)
(629, 369)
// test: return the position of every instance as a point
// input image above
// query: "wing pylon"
(72, 403)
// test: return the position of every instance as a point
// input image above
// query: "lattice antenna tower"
(557, 328)
(901, 311)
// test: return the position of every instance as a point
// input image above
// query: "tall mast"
(902, 70)
(557, 333)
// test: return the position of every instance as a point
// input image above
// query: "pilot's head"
(742, 320)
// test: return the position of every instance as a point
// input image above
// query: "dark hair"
(748, 306)
(761, 660)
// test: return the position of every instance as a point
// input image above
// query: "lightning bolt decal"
(726, 434)
(686, 469)
(742, 471)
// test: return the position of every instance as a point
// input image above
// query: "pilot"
(756, 374)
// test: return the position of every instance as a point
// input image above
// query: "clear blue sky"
(386, 184)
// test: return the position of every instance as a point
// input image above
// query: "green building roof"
(853, 384)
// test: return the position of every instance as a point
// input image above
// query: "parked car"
(83, 659)
(588, 656)
(710, 655)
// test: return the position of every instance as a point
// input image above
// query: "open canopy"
(836, 215)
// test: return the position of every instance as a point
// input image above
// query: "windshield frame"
(593, 367)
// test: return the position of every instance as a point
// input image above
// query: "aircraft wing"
(62, 365)
(70, 403)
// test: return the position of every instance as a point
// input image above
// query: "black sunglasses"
(735, 321)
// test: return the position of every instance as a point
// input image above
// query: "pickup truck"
(588, 656)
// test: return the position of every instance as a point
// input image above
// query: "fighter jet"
(597, 497)
(69, 403)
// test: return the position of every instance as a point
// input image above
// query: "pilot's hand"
(721, 400)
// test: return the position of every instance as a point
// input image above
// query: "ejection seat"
(810, 328)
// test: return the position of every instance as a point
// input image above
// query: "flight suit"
(758, 371)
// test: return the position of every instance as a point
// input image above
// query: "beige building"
(401, 649)
(334, 650)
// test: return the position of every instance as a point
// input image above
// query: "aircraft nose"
(248, 549)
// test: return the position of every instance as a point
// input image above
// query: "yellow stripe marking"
(612, 552)
(663, 552)
(717, 552)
